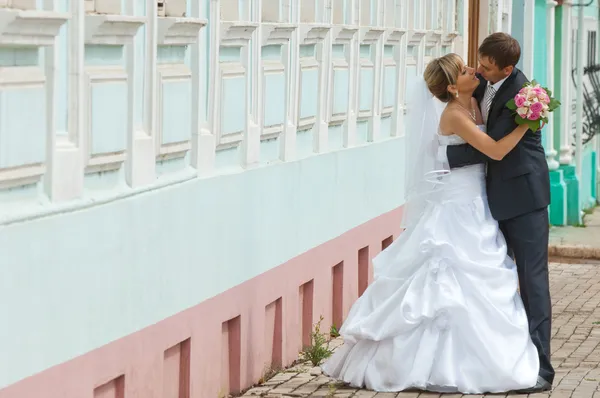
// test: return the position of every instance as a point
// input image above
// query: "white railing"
(138, 88)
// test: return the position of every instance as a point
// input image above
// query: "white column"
(203, 138)
(550, 18)
(565, 157)
(528, 38)
(352, 55)
(64, 177)
(292, 76)
(140, 165)
(321, 132)
(251, 58)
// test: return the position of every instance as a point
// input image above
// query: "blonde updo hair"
(442, 72)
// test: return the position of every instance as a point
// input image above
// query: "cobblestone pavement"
(575, 347)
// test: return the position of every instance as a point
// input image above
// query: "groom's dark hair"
(501, 48)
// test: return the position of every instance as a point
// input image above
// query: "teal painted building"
(547, 31)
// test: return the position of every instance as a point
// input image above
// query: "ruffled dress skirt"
(443, 312)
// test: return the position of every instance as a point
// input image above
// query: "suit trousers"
(527, 240)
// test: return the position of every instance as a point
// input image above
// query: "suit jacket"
(519, 183)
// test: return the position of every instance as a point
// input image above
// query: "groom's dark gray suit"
(518, 190)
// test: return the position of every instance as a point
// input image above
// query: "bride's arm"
(462, 126)
(478, 117)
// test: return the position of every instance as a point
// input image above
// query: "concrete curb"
(574, 251)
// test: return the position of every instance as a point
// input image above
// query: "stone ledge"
(574, 251)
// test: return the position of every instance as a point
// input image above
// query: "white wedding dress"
(443, 312)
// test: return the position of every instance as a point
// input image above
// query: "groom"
(518, 189)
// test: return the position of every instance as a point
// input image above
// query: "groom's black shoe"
(541, 385)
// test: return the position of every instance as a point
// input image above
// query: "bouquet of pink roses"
(533, 105)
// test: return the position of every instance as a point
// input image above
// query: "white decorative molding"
(276, 33)
(306, 64)
(14, 78)
(433, 38)
(230, 139)
(170, 73)
(343, 34)
(30, 28)
(370, 34)
(270, 67)
(448, 38)
(238, 33)
(111, 29)
(179, 31)
(416, 36)
(103, 161)
(313, 33)
(106, 7)
(394, 36)
(388, 110)
(21, 176)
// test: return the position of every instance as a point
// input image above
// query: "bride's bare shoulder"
(448, 120)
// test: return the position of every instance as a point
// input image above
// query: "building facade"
(548, 32)
(186, 186)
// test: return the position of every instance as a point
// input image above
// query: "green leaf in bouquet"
(533, 125)
(520, 120)
(548, 91)
(554, 103)
(511, 105)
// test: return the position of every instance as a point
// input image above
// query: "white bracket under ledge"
(370, 35)
(116, 30)
(395, 36)
(448, 38)
(433, 37)
(415, 37)
(277, 33)
(30, 28)
(237, 33)
(313, 34)
(179, 31)
(343, 34)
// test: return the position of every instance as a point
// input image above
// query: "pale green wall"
(79, 280)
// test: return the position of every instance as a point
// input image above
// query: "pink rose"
(520, 100)
(544, 98)
(537, 107)
(534, 116)
(539, 91)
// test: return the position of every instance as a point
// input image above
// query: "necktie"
(490, 93)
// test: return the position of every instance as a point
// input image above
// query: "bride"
(443, 312)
